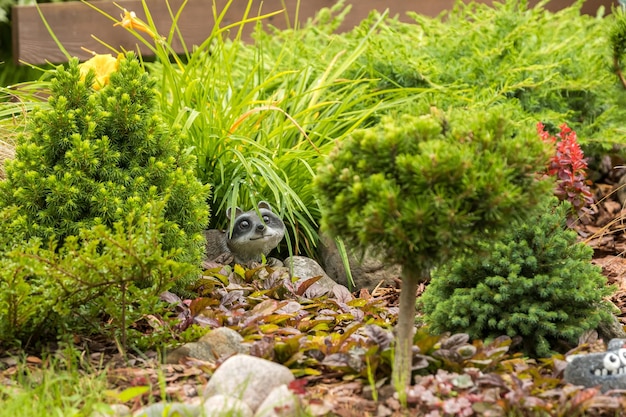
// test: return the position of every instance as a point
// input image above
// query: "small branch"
(124, 306)
(618, 71)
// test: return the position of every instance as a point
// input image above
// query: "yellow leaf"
(343, 317)
(129, 393)
(357, 302)
(238, 269)
(306, 371)
(269, 328)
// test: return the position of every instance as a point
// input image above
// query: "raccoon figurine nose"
(260, 227)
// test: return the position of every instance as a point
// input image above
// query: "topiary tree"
(423, 189)
(536, 282)
(98, 151)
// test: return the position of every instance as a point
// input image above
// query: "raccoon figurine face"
(253, 235)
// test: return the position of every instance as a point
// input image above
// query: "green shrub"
(536, 282)
(555, 66)
(618, 42)
(90, 157)
(422, 189)
(90, 284)
(101, 209)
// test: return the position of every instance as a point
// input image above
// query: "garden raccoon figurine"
(252, 237)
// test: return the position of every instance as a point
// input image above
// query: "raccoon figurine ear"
(264, 205)
(238, 212)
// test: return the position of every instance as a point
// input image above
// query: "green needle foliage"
(421, 189)
(552, 66)
(101, 209)
(618, 43)
(536, 282)
(92, 157)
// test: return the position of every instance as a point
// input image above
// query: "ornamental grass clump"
(422, 189)
(259, 116)
(536, 282)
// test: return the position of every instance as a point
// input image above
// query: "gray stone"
(169, 410)
(216, 344)
(224, 342)
(303, 269)
(612, 329)
(605, 369)
(225, 406)
(281, 402)
(367, 269)
(248, 378)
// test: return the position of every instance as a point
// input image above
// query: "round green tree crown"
(421, 189)
(91, 157)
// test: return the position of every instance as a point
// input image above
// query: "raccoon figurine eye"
(266, 219)
(244, 224)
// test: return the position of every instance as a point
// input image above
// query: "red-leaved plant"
(569, 166)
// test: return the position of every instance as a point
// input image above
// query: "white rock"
(281, 402)
(248, 378)
(225, 406)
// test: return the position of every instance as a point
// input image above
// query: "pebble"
(216, 344)
(248, 378)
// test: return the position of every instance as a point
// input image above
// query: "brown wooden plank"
(74, 23)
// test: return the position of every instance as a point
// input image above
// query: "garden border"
(77, 25)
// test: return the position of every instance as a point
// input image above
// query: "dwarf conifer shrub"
(422, 189)
(96, 153)
(536, 282)
(551, 65)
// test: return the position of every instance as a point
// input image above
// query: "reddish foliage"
(568, 165)
(297, 386)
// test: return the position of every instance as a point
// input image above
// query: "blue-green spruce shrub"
(536, 282)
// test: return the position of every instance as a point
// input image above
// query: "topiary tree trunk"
(405, 328)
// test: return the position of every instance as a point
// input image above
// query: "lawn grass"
(52, 387)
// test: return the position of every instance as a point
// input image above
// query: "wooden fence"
(78, 26)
